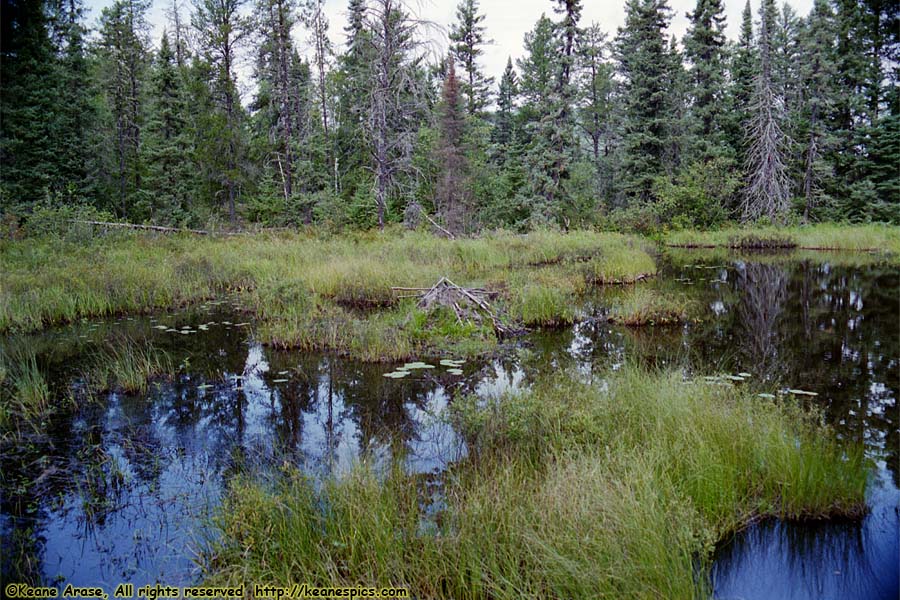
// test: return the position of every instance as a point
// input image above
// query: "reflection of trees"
(777, 560)
(764, 291)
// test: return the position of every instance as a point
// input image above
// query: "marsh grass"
(24, 391)
(640, 306)
(314, 292)
(824, 236)
(544, 305)
(51, 281)
(128, 366)
(625, 262)
(571, 490)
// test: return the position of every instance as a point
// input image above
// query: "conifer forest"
(250, 111)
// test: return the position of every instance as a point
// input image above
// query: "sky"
(506, 21)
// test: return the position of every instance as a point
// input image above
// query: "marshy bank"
(882, 239)
(569, 422)
(571, 490)
(313, 294)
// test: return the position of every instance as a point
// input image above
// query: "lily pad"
(396, 374)
(415, 365)
(802, 392)
(280, 380)
(455, 371)
(745, 374)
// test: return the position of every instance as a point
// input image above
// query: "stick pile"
(469, 304)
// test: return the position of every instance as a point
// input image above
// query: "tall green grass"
(128, 366)
(571, 490)
(24, 391)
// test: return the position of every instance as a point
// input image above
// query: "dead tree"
(393, 95)
(768, 187)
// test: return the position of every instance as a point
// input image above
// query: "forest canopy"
(796, 120)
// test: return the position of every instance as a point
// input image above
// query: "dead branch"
(153, 227)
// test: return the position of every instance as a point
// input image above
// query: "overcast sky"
(506, 20)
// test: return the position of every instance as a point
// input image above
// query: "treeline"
(797, 119)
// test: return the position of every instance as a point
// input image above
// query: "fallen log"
(153, 227)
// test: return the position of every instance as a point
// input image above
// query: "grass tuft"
(641, 306)
(128, 366)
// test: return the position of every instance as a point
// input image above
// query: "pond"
(123, 489)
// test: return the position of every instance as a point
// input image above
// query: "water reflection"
(121, 488)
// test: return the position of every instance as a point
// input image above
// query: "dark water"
(122, 489)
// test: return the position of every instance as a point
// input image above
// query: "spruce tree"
(169, 156)
(818, 75)
(537, 69)
(220, 29)
(123, 65)
(467, 37)
(453, 194)
(277, 122)
(315, 21)
(26, 140)
(352, 78)
(644, 63)
(505, 117)
(743, 67)
(596, 86)
(705, 51)
(73, 111)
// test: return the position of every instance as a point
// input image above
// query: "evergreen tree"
(26, 132)
(169, 156)
(351, 84)
(73, 111)
(743, 69)
(123, 63)
(704, 49)
(276, 119)
(768, 189)
(453, 194)
(220, 30)
(537, 69)
(394, 98)
(467, 40)
(818, 72)
(505, 117)
(596, 90)
(675, 111)
(644, 62)
(315, 21)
